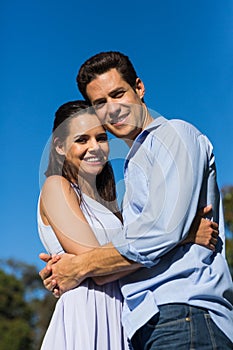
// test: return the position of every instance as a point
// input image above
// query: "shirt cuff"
(127, 250)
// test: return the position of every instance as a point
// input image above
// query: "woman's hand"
(46, 273)
(203, 231)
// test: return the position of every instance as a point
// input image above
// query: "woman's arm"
(203, 231)
(60, 208)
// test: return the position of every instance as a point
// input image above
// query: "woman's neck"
(88, 186)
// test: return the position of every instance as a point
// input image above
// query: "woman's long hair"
(59, 165)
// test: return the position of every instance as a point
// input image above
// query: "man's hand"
(46, 271)
(70, 270)
(58, 272)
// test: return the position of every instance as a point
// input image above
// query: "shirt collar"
(143, 135)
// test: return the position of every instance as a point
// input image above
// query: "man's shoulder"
(180, 123)
(176, 132)
(162, 124)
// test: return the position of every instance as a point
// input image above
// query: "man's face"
(118, 106)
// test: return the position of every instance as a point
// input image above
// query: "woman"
(77, 211)
(79, 175)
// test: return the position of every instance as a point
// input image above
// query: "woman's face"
(87, 144)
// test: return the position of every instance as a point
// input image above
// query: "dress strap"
(76, 189)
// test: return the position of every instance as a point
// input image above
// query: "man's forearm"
(70, 270)
(103, 261)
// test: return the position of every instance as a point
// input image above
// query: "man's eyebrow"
(111, 93)
(119, 88)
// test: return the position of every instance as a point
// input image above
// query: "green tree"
(15, 315)
(25, 306)
(227, 193)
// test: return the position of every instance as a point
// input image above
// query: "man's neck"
(148, 120)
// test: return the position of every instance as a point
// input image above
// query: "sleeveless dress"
(89, 316)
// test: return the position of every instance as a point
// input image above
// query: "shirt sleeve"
(163, 186)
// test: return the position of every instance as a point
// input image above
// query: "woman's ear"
(140, 88)
(59, 147)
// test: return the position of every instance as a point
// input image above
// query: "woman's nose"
(94, 145)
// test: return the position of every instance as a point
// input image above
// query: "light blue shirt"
(169, 174)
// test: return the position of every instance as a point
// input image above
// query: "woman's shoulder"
(58, 188)
(55, 182)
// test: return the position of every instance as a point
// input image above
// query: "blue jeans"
(180, 327)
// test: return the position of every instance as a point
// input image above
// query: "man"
(183, 298)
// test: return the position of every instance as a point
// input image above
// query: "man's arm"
(68, 271)
(170, 166)
(203, 232)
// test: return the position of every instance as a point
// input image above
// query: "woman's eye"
(102, 138)
(80, 140)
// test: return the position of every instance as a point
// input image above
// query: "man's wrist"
(101, 261)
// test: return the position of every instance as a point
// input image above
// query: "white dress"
(89, 316)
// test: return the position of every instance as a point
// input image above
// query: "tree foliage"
(227, 194)
(25, 306)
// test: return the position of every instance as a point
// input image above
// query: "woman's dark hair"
(101, 63)
(59, 165)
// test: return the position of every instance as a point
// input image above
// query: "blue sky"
(182, 50)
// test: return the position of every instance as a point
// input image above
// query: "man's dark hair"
(102, 63)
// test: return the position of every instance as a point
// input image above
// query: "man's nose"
(113, 109)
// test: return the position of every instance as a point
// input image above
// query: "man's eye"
(99, 105)
(119, 94)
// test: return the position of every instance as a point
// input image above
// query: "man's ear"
(140, 88)
(59, 147)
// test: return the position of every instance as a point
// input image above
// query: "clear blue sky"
(182, 50)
